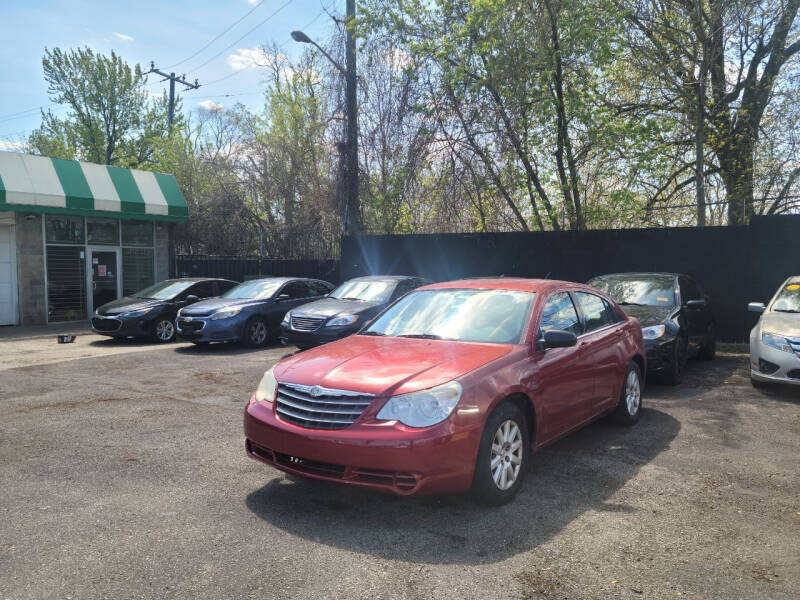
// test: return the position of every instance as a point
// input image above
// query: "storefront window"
(137, 233)
(66, 284)
(103, 231)
(62, 229)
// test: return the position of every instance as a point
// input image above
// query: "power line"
(226, 48)
(239, 20)
(11, 116)
(306, 26)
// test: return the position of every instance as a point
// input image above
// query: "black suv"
(675, 314)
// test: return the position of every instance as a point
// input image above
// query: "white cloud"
(211, 105)
(123, 37)
(253, 2)
(8, 146)
(252, 57)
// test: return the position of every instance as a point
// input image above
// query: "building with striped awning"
(76, 235)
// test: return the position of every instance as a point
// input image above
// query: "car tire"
(163, 331)
(709, 349)
(491, 486)
(630, 397)
(674, 375)
(256, 332)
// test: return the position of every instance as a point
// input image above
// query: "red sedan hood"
(386, 365)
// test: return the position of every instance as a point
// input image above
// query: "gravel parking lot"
(124, 476)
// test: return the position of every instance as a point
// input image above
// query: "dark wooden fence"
(735, 265)
(242, 268)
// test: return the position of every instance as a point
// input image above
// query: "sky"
(140, 31)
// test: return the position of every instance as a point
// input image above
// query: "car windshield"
(258, 289)
(466, 315)
(642, 290)
(164, 290)
(788, 299)
(366, 290)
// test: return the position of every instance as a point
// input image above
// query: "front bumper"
(788, 364)
(203, 329)
(660, 354)
(307, 339)
(114, 326)
(380, 456)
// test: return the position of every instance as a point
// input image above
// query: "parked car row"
(205, 310)
(450, 386)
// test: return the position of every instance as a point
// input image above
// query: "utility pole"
(353, 214)
(351, 217)
(699, 122)
(172, 79)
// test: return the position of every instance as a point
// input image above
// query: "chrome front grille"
(317, 407)
(306, 323)
(795, 344)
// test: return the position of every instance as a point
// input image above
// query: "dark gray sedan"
(250, 313)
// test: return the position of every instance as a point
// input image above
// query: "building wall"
(32, 296)
(162, 251)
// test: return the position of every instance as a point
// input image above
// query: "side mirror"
(698, 303)
(191, 299)
(756, 307)
(557, 338)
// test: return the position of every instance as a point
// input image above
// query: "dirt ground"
(124, 476)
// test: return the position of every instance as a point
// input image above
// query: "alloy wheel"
(506, 455)
(633, 392)
(258, 332)
(165, 330)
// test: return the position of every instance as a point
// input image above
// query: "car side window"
(559, 313)
(201, 289)
(224, 286)
(318, 288)
(402, 288)
(597, 313)
(297, 289)
(689, 290)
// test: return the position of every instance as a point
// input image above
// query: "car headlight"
(135, 313)
(267, 388)
(342, 320)
(226, 313)
(776, 341)
(654, 332)
(287, 318)
(423, 408)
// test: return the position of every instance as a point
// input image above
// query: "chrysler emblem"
(316, 391)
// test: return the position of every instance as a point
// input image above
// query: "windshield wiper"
(785, 310)
(375, 333)
(346, 298)
(422, 336)
(630, 304)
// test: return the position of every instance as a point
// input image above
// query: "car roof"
(283, 279)
(640, 273)
(198, 279)
(517, 284)
(385, 278)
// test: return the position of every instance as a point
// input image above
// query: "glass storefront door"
(103, 273)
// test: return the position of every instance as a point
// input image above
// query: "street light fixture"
(352, 214)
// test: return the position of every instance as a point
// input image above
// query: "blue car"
(250, 313)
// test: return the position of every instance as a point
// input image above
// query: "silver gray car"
(775, 340)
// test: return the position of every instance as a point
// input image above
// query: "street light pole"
(351, 218)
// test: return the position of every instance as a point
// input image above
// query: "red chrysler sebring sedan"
(452, 387)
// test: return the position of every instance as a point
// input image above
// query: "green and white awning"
(50, 185)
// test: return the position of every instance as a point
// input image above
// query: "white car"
(775, 340)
